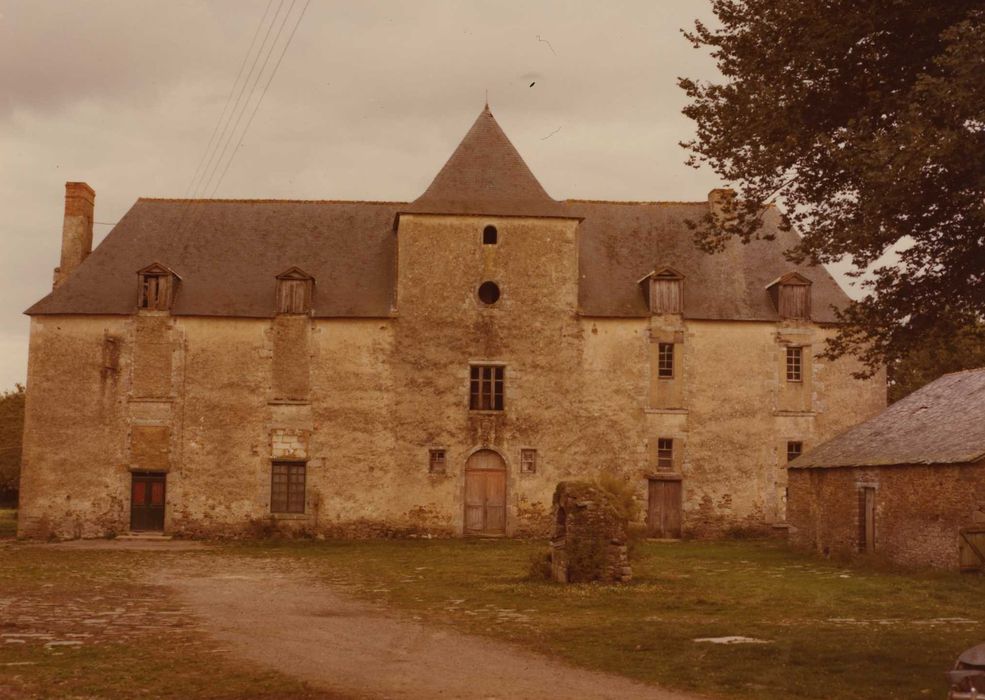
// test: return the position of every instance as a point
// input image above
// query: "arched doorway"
(485, 494)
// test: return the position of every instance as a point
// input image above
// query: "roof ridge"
(269, 201)
(964, 371)
(632, 201)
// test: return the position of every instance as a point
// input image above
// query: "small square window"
(486, 387)
(287, 487)
(795, 363)
(436, 461)
(528, 461)
(665, 361)
(794, 450)
(665, 453)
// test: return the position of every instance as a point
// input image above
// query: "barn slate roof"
(941, 423)
(228, 253)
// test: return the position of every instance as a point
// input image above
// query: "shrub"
(539, 568)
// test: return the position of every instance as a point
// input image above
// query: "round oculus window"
(488, 293)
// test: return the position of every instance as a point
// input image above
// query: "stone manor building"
(435, 366)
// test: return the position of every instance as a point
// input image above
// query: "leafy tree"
(11, 430)
(866, 120)
(934, 357)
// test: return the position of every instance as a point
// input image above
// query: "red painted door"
(147, 501)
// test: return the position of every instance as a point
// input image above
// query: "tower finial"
(487, 98)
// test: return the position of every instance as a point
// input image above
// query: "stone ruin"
(590, 534)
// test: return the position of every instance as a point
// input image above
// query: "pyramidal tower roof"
(486, 176)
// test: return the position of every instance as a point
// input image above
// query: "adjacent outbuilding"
(908, 484)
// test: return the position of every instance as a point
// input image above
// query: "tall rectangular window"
(665, 360)
(486, 387)
(665, 453)
(528, 461)
(794, 449)
(795, 364)
(436, 461)
(287, 487)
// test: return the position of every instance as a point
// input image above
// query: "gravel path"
(289, 622)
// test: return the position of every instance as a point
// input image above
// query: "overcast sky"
(369, 101)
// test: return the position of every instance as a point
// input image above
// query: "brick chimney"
(721, 202)
(77, 230)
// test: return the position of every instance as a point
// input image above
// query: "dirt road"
(289, 622)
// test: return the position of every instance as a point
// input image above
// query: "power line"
(198, 208)
(190, 210)
(204, 185)
(229, 98)
(256, 107)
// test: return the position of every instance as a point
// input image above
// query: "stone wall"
(589, 541)
(213, 401)
(918, 510)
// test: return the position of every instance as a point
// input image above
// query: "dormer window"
(791, 296)
(294, 291)
(664, 289)
(156, 288)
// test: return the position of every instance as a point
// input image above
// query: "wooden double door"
(663, 515)
(147, 501)
(485, 494)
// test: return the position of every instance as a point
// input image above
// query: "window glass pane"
(486, 387)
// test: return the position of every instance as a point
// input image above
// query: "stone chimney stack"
(80, 202)
(722, 203)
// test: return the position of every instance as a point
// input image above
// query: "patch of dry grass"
(82, 624)
(8, 523)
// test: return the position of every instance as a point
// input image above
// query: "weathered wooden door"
(147, 501)
(663, 516)
(972, 541)
(485, 494)
(867, 519)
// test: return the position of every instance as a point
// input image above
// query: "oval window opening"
(489, 292)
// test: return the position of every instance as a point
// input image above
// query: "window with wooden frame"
(156, 288)
(665, 453)
(795, 364)
(794, 449)
(665, 360)
(436, 460)
(287, 487)
(486, 387)
(294, 291)
(528, 461)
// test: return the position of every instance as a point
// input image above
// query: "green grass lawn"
(833, 632)
(8, 523)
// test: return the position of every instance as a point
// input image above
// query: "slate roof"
(486, 175)
(941, 423)
(228, 252)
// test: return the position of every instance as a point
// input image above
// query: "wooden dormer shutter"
(294, 292)
(155, 288)
(666, 291)
(791, 295)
